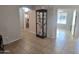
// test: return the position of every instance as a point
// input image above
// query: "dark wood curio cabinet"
(41, 23)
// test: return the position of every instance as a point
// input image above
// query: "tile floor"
(30, 44)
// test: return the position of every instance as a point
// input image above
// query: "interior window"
(61, 17)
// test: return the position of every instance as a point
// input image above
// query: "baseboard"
(50, 37)
(12, 41)
(32, 32)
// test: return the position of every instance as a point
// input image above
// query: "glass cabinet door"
(39, 29)
(41, 23)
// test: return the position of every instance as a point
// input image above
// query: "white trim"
(73, 22)
(8, 42)
(32, 32)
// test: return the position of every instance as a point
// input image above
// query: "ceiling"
(52, 6)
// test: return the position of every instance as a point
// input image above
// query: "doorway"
(24, 18)
(65, 23)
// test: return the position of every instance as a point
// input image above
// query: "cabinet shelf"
(41, 23)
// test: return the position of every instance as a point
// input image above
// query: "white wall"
(21, 14)
(9, 23)
(51, 23)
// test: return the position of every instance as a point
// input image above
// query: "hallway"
(30, 44)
